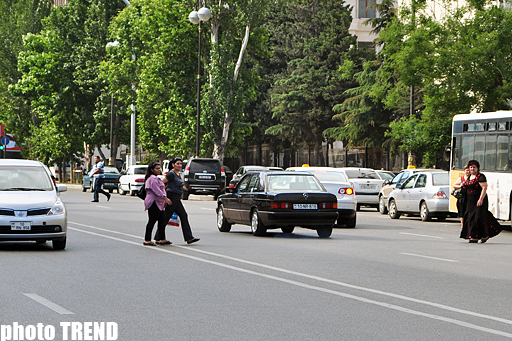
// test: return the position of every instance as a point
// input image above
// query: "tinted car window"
(288, 183)
(111, 170)
(242, 187)
(405, 175)
(24, 178)
(253, 184)
(330, 176)
(422, 181)
(139, 171)
(209, 166)
(361, 174)
(440, 179)
(385, 176)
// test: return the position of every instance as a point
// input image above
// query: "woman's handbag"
(141, 193)
(457, 193)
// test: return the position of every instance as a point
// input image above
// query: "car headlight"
(57, 208)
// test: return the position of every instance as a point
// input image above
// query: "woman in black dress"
(479, 223)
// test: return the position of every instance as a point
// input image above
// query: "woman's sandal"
(164, 242)
(483, 240)
(193, 240)
(473, 240)
(149, 244)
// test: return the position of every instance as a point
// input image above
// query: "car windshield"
(293, 183)
(440, 179)
(325, 176)
(200, 166)
(111, 170)
(361, 174)
(386, 175)
(139, 170)
(23, 178)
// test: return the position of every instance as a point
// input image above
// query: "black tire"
(132, 192)
(383, 209)
(424, 212)
(121, 191)
(288, 229)
(110, 190)
(442, 217)
(351, 222)
(59, 244)
(392, 210)
(184, 195)
(222, 223)
(257, 227)
(358, 207)
(324, 231)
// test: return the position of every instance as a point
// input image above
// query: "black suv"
(203, 176)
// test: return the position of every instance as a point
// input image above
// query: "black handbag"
(141, 193)
(457, 193)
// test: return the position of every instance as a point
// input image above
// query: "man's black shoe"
(108, 196)
(95, 201)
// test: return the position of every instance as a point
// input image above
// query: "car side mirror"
(399, 186)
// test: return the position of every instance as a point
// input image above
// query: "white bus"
(486, 137)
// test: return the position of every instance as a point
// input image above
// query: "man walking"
(99, 178)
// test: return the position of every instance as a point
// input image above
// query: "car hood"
(25, 200)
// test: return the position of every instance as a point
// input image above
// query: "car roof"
(307, 169)
(20, 162)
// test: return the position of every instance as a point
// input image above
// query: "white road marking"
(321, 279)
(421, 235)
(429, 257)
(49, 304)
(108, 208)
(209, 209)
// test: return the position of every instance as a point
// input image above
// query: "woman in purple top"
(155, 202)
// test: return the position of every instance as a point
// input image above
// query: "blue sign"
(5, 140)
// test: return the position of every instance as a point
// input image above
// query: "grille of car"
(33, 229)
(6, 212)
(43, 211)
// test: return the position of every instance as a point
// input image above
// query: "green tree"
(304, 94)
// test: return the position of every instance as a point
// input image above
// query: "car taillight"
(187, 170)
(274, 205)
(347, 191)
(440, 195)
(328, 205)
(139, 180)
(231, 186)
(222, 171)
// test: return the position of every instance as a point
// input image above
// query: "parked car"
(424, 193)
(203, 176)
(131, 180)
(336, 182)
(389, 186)
(30, 205)
(367, 184)
(385, 175)
(112, 176)
(269, 200)
(244, 169)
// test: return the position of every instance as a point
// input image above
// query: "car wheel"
(222, 223)
(424, 212)
(351, 222)
(324, 231)
(288, 229)
(83, 188)
(132, 193)
(59, 244)
(110, 190)
(257, 227)
(382, 205)
(442, 217)
(120, 190)
(184, 195)
(393, 211)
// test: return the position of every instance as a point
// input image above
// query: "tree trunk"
(220, 146)
(88, 156)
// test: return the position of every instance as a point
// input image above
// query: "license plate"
(21, 226)
(204, 177)
(305, 206)
(367, 186)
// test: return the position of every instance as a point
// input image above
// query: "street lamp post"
(195, 18)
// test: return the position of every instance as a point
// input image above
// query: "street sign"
(5, 141)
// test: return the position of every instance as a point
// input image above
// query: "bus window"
(468, 148)
(456, 153)
(480, 150)
(490, 152)
(502, 154)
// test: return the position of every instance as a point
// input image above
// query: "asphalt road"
(384, 280)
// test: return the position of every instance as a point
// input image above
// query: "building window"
(364, 9)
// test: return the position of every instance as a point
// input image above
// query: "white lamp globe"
(204, 14)
(194, 18)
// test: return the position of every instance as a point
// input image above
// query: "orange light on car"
(329, 205)
(347, 191)
(139, 180)
(274, 205)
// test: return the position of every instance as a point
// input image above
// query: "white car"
(30, 205)
(367, 185)
(132, 180)
(336, 182)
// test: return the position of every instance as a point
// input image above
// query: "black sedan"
(268, 200)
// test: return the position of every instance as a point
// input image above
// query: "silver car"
(424, 193)
(367, 184)
(30, 205)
